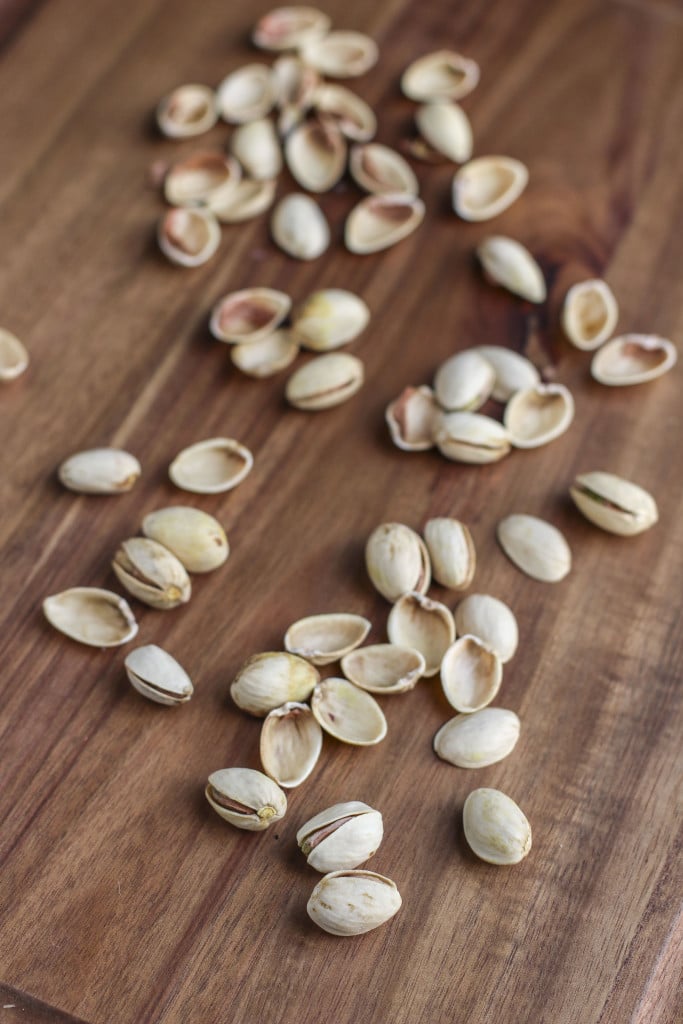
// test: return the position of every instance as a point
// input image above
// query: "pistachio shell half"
(341, 837)
(187, 111)
(328, 319)
(513, 371)
(491, 621)
(538, 415)
(464, 382)
(425, 625)
(478, 740)
(348, 713)
(188, 238)
(92, 616)
(380, 170)
(452, 553)
(470, 437)
(353, 902)
(246, 798)
(315, 151)
(633, 359)
(100, 471)
(446, 128)
(291, 741)
(248, 199)
(158, 676)
(487, 186)
(589, 314)
(246, 94)
(201, 179)
(397, 561)
(495, 827)
(299, 227)
(443, 75)
(257, 147)
(507, 263)
(378, 222)
(325, 381)
(195, 538)
(384, 668)
(471, 674)
(248, 315)
(340, 54)
(266, 356)
(212, 466)
(287, 28)
(614, 504)
(356, 120)
(267, 681)
(535, 547)
(411, 418)
(322, 639)
(13, 356)
(150, 572)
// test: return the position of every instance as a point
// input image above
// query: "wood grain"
(123, 898)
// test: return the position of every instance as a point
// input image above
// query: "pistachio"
(246, 798)
(13, 356)
(299, 227)
(356, 120)
(487, 186)
(325, 381)
(187, 111)
(267, 681)
(100, 471)
(535, 547)
(614, 504)
(478, 740)
(589, 314)
(188, 238)
(471, 674)
(495, 828)
(633, 359)
(315, 151)
(513, 372)
(384, 668)
(443, 75)
(464, 382)
(380, 170)
(150, 572)
(341, 837)
(248, 315)
(286, 28)
(257, 148)
(211, 467)
(248, 199)
(470, 437)
(353, 902)
(246, 94)
(328, 319)
(397, 561)
(266, 356)
(491, 621)
(508, 264)
(452, 553)
(425, 625)
(322, 639)
(296, 86)
(201, 179)
(158, 676)
(291, 741)
(446, 128)
(348, 713)
(96, 617)
(381, 221)
(196, 539)
(538, 415)
(411, 418)
(340, 54)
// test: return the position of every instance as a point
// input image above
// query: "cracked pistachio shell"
(100, 471)
(340, 54)
(348, 713)
(471, 674)
(538, 415)
(513, 371)
(13, 356)
(495, 827)
(296, 86)
(188, 237)
(91, 616)
(291, 741)
(247, 94)
(380, 170)
(509, 264)
(614, 504)
(452, 552)
(257, 147)
(411, 419)
(446, 128)
(328, 319)
(201, 179)
(267, 681)
(589, 314)
(158, 676)
(356, 120)
(478, 740)
(341, 837)
(425, 625)
(325, 381)
(315, 151)
(212, 466)
(470, 437)
(266, 356)
(299, 227)
(487, 186)
(442, 75)
(384, 668)
(380, 221)
(353, 902)
(195, 538)
(248, 199)
(187, 111)
(535, 547)
(397, 561)
(633, 359)
(246, 798)
(287, 28)
(491, 621)
(248, 315)
(151, 573)
(464, 382)
(322, 639)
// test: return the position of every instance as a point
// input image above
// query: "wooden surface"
(123, 898)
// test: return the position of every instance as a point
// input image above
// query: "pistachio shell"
(150, 572)
(379, 222)
(446, 128)
(96, 617)
(471, 674)
(266, 356)
(425, 625)
(538, 415)
(246, 798)
(248, 199)
(397, 561)
(487, 186)
(291, 741)
(329, 318)
(100, 471)
(322, 639)
(443, 75)
(348, 713)
(381, 170)
(13, 356)
(257, 148)
(315, 151)
(296, 85)
(267, 681)
(340, 54)
(513, 371)
(286, 28)
(158, 676)
(495, 827)
(464, 382)
(212, 466)
(535, 547)
(188, 238)
(589, 314)
(614, 504)
(187, 111)
(201, 179)
(490, 621)
(452, 553)
(299, 227)
(508, 264)
(196, 539)
(248, 315)
(325, 381)
(341, 837)
(353, 902)
(356, 120)
(384, 668)
(633, 359)
(470, 437)
(478, 740)
(246, 94)
(411, 419)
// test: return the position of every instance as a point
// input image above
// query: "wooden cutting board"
(123, 897)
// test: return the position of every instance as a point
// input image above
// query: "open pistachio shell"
(380, 221)
(211, 467)
(614, 504)
(246, 798)
(257, 147)
(487, 186)
(471, 437)
(248, 199)
(384, 668)
(411, 418)
(187, 111)
(452, 553)
(397, 561)
(446, 128)
(507, 263)
(589, 314)
(341, 837)
(248, 315)
(478, 740)
(322, 639)
(491, 621)
(296, 86)
(356, 120)
(538, 415)
(325, 381)
(152, 573)
(535, 547)
(188, 238)
(92, 616)
(633, 359)
(246, 94)
(381, 170)
(299, 227)
(340, 54)
(266, 356)
(100, 471)
(443, 75)
(291, 741)
(13, 356)
(425, 625)
(348, 713)
(471, 674)
(287, 28)
(196, 539)
(464, 382)
(513, 371)
(328, 319)
(315, 151)
(495, 828)
(202, 179)
(267, 681)
(158, 676)
(353, 902)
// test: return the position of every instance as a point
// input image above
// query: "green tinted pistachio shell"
(489, 620)
(348, 713)
(614, 504)
(397, 561)
(495, 827)
(425, 625)
(478, 740)
(100, 471)
(452, 552)
(267, 681)
(150, 572)
(341, 837)
(291, 741)
(246, 798)
(92, 616)
(353, 902)
(507, 263)
(195, 538)
(158, 676)
(535, 547)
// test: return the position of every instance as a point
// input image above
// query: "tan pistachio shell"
(157, 675)
(291, 741)
(353, 902)
(13, 356)
(287, 28)
(328, 319)
(248, 315)
(491, 621)
(322, 639)
(348, 713)
(257, 147)
(478, 740)
(535, 547)
(188, 111)
(340, 54)
(248, 199)
(380, 170)
(397, 561)
(188, 237)
(411, 419)
(380, 221)
(152, 573)
(509, 264)
(296, 85)
(589, 314)
(100, 471)
(246, 94)
(495, 827)
(487, 186)
(267, 681)
(470, 437)
(196, 539)
(202, 179)
(299, 227)
(427, 626)
(471, 674)
(452, 553)
(246, 798)
(341, 837)
(266, 356)
(464, 381)
(212, 466)
(384, 668)
(325, 381)
(356, 120)
(315, 151)
(91, 616)
(442, 75)
(513, 371)
(633, 359)
(614, 504)
(538, 415)
(446, 128)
